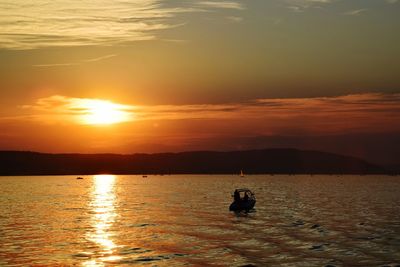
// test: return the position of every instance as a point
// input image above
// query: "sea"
(184, 220)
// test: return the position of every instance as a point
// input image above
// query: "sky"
(127, 76)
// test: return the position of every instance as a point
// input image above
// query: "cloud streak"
(66, 64)
(61, 109)
(321, 115)
(222, 4)
(356, 12)
(44, 23)
(301, 5)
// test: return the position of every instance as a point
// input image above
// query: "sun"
(103, 112)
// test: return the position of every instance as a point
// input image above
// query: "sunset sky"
(150, 76)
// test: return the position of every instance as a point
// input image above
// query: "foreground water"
(184, 221)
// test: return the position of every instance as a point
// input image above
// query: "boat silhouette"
(243, 200)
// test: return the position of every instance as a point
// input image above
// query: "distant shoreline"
(201, 174)
(264, 161)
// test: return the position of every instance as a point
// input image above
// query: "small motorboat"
(243, 200)
(79, 178)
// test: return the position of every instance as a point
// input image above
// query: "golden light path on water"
(103, 218)
(183, 220)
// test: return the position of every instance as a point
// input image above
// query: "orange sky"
(59, 124)
(151, 76)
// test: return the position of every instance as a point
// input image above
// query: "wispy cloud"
(355, 12)
(222, 4)
(234, 19)
(56, 65)
(62, 109)
(66, 64)
(349, 113)
(100, 58)
(43, 23)
(301, 5)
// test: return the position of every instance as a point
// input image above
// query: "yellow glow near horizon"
(103, 112)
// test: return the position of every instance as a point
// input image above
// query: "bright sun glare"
(102, 112)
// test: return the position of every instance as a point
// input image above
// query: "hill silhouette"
(273, 161)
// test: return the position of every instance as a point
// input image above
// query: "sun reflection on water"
(104, 214)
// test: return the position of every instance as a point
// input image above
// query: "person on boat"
(246, 197)
(236, 196)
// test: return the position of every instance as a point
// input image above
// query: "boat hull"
(242, 205)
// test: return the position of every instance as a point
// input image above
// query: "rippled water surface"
(184, 221)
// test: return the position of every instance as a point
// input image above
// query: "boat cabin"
(243, 199)
(243, 194)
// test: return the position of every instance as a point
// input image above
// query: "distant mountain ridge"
(265, 161)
